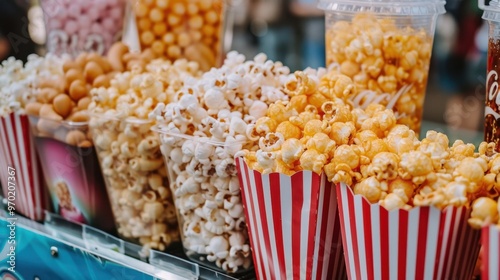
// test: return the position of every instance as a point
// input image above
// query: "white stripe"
(493, 254)
(286, 222)
(304, 221)
(360, 231)
(411, 259)
(21, 202)
(246, 188)
(376, 244)
(393, 244)
(431, 247)
(317, 238)
(25, 171)
(348, 233)
(270, 224)
(258, 223)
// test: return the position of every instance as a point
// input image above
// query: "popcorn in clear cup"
(75, 27)
(205, 187)
(202, 128)
(385, 47)
(136, 180)
(174, 29)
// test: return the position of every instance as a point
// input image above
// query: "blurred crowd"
(292, 31)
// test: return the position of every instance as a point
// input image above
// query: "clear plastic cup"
(191, 29)
(385, 47)
(136, 179)
(492, 112)
(76, 26)
(71, 171)
(204, 183)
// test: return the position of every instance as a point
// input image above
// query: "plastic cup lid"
(387, 7)
(491, 11)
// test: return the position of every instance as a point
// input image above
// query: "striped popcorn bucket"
(423, 243)
(293, 225)
(17, 151)
(490, 254)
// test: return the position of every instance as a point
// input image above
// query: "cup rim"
(63, 122)
(162, 131)
(130, 119)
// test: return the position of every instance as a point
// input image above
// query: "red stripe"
(21, 185)
(403, 243)
(340, 204)
(315, 189)
(261, 204)
(325, 221)
(485, 260)
(439, 247)
(423, 224)
(297, 204)
(29, 164)
(384, 242)
(352, 221)
(274, 181)
(367, 224)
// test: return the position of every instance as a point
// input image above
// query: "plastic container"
(205, 186)
(422, 243)
(293, 223)
(20, 170)
(173, 29)
(385, 47)
(71, 171)
(136, 181)
(492, 112)
(80, 26)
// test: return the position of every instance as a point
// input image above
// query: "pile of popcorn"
(201, 130)
(367, 149)
(18, 83)
(385, 58)
(129, 151)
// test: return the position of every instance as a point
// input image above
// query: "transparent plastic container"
(204, 183)
(385, 47)
(71, 170)
(136, 179)
(78, 26)
(192, 29)
(492, 104)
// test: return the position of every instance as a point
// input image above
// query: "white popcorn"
(18, 84)
(216, 115)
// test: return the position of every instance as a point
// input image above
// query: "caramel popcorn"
(387, 63)
(367, 149)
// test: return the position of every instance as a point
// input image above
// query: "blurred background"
(292, 31)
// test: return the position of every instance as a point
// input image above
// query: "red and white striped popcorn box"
(17, 150)
(422, 243)
(293, 225)
(490, 254)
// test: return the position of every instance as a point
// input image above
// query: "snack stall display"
(174, 159)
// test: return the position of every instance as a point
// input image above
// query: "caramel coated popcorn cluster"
(367, 149)
(388, 63)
